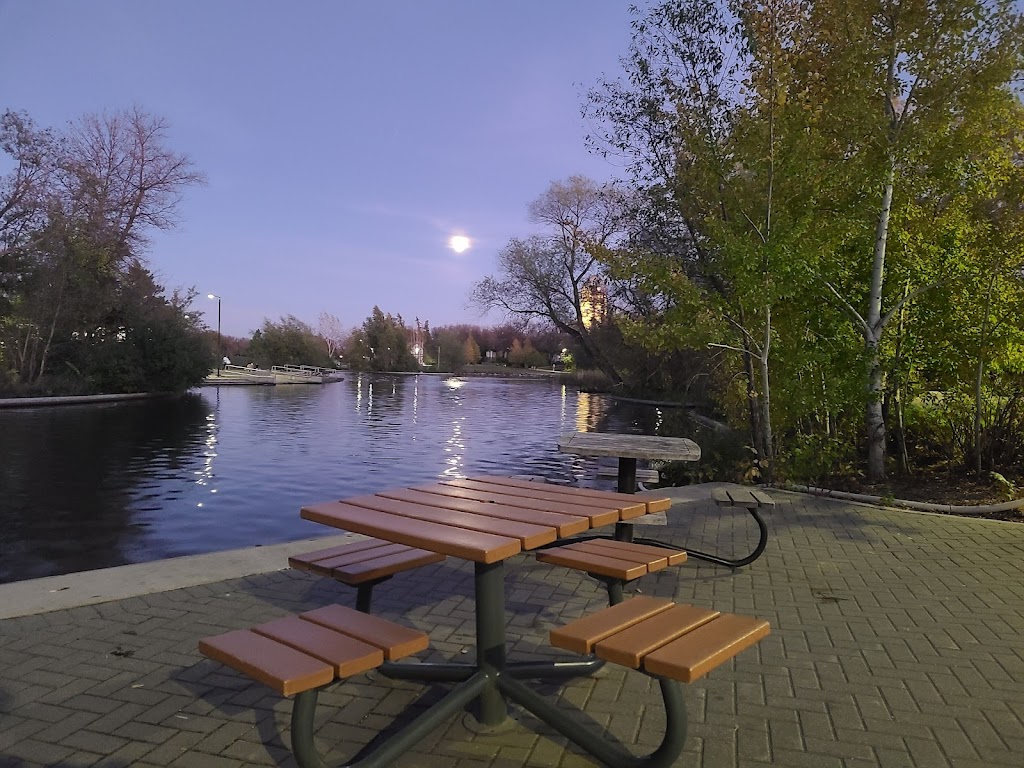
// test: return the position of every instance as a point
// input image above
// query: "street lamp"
(220, 352)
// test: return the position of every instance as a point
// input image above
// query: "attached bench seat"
(680, 642)
(297, 655)
(673, 643)
(612, 562)
(364, 564)
(751, 498)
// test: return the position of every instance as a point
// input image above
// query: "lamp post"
(220, 352)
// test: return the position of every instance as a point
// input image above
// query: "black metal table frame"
(490, 681)
(624, 531)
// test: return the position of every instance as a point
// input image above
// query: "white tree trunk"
(766, 412)
(874, 418)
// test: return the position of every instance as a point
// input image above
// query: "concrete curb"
(54, 593)
(955, 509)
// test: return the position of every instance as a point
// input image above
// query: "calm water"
(85, 487)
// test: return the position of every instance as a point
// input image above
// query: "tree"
(912, 73)
(721, 159)
(287, 342)
(382, 344)
(542, 277)
(471, 350)
(332, 332)
(771, 142)
(76, 213)
(146, 343)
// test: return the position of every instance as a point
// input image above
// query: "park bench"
(364, 564)
(612, 562)
(749, 499)
(300, 654)
(672, 643)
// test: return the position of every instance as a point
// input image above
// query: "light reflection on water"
(100, 485)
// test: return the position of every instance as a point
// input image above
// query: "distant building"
(594, 302)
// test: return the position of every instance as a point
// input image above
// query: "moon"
(458, 243)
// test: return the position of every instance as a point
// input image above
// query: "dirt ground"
(940, 486)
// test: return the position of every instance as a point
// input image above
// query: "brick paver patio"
(898, 640)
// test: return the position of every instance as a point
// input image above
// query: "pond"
(92, 486)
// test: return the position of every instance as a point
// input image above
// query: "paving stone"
(895, 642)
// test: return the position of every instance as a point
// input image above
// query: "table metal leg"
(490, 638)
(627, 475)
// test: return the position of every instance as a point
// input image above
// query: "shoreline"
(33, 402)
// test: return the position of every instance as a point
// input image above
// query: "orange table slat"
(393, 639)
(626, 504)
(631, 645)
(625, 500)
(347, 655)
(581, 635)
(283, 668)
(698, 652)
(596, 516)
(564, 524)
(590, 562)
(459, 542)
(639, 551)
(531, 536)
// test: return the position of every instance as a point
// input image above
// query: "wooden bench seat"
(313, 649)
(364, 564)
(612, 562)
(300, 654)
(750, 498)
(679, 642)
(673, 643)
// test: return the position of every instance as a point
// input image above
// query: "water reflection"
(78, 485)
(94, 486)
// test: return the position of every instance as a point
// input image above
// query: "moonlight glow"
(458, 243)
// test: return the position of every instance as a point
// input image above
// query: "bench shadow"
(235, 696)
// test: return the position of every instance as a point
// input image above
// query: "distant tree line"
(386, 343)
(79, 310)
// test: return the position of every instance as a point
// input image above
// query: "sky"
(343, 142)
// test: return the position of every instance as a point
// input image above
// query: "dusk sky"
(344, 142)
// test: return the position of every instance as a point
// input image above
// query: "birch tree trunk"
(979, 375)
(875, 418)
(766, 417)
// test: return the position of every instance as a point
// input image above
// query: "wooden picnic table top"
(483, 519)
(630, 446)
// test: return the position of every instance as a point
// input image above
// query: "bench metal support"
(364, 593)
(383, 756)
(758, 550)
(624, 531)
(488, 683)
(596, 740)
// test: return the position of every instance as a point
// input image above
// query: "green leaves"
(764, 138)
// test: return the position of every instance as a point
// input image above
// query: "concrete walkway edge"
(54, 593)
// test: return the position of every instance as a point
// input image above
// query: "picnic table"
(629, 448)
(485, 520)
